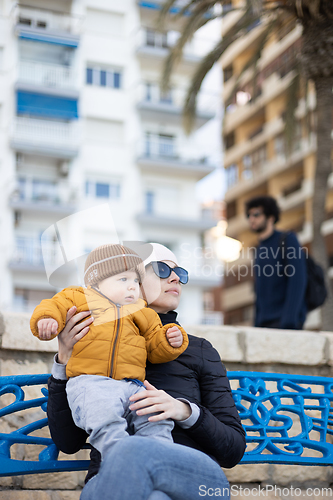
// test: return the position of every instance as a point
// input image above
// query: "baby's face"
(122, 288)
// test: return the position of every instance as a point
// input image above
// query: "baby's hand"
(174, 336)
(46, 328)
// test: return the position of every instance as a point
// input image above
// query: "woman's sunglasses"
(163, 271)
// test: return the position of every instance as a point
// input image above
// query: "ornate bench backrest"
(30, 413)
(287, 418)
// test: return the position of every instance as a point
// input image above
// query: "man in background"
(280, 275)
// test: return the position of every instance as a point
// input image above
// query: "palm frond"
(204, 68)
(253, 61)
(257, 7)
(186, 8)
(167, 5)
(314, 8)
(327, 9)
(189, 110)
(197, 20)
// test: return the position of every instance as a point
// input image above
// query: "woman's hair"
(268, 204)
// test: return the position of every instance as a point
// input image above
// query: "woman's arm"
(67, 436)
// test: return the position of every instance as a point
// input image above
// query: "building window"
(26, 300)
(102, 190)
(166, 97)
(89, 78)
(253, 163)
(160, 145)
(104, 77)
(229, 140)
(247, 167)
(156, 39)
(231, 175)
(150, 199)
(153, 93)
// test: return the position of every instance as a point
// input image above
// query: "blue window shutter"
(103, 79)
(42, 105)
(69, 41)
(117, 80)
(102, 190)
(89, 76)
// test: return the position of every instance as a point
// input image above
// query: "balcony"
(272, 87)
(238, 296)
(269, 169)
(298, 197)
(213, 318)
(154, 46)
(28, 255)
(157, 4)
(38, 195)
(47, 77)
(153, 105)
(160, 221)
(161, 154)
(51, 138)
(269, 130)
(47, 26)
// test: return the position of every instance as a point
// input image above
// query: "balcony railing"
(276, 165)
(47, 75)
(160, 148)
(44, 19)
(150, 98)
(212, 318)
(163, 149)
(158, 44)
(28, 251)
(43, 134)
(41, 192)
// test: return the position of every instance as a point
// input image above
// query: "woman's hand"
(73, 331)
(153, 400)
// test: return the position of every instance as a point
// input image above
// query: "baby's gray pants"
(100, 406)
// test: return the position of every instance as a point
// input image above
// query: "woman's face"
(162, 295)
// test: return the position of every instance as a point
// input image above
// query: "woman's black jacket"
(197, 375)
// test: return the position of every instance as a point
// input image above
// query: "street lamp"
(227, 249)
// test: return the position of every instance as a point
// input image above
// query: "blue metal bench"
(288, 420)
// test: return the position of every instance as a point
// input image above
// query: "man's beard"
(261, 228)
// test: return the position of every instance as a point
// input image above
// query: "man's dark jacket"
(280, 278)
(198, 376)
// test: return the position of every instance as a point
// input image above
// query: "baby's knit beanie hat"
(108, 260)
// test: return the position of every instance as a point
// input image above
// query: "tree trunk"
(323, 169)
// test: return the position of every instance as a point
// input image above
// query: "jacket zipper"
(118, 306)
(115, 341)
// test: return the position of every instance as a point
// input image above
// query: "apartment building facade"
(257, 161)
(92, 150)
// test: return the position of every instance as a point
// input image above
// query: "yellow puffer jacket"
(119, 340)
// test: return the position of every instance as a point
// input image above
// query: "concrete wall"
(241, 348)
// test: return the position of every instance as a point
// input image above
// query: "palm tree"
(315, 63)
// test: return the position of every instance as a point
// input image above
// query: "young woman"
(193, 390)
